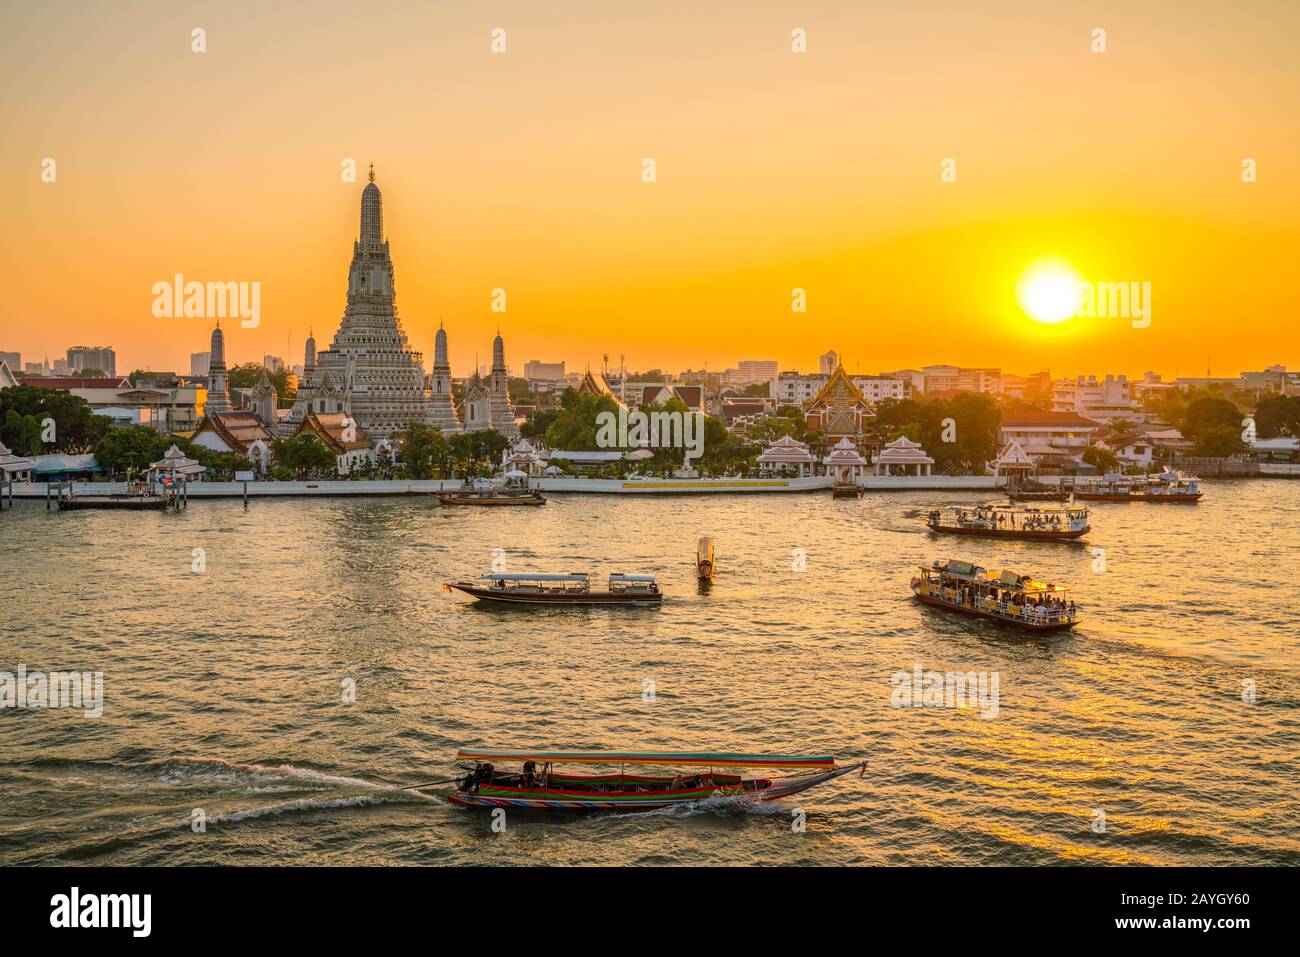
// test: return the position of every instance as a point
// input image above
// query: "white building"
(794, 388)
(544, 371)
(92, 357)
(1048, 433)
(1100, 400)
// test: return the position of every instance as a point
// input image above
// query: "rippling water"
(223, 688)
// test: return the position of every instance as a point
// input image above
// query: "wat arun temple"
(370, 373)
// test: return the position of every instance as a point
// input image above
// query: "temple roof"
(330, 427)
(844, 453)
(903, 451)
(238, 430)
(839, 390)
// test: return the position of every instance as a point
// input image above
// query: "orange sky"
(775, 170)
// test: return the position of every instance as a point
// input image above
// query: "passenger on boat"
(529, 778)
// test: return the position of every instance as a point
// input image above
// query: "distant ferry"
(571, 589)
(1165, 487)
(1004, 596)
(1010, 521)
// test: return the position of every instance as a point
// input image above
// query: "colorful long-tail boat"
(539, 786)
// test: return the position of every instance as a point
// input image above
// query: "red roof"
(1035, 418)
(72, 382)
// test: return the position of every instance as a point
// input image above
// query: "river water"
(1126, 741)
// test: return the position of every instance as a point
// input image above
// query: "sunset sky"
(775, 170)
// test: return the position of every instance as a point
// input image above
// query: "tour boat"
(1165, 487)
(492, 496)
(538, 786)
(1010, 521)
(704, 558)
(570, 589)
(1005, 596)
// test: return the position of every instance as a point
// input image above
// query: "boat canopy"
(617, 577)
(516, 577)
(691, 758)
(1010, 581)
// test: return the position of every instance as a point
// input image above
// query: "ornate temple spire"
(440, 348)
(372, 214)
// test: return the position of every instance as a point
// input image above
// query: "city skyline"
(775, 171)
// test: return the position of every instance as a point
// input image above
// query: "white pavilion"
(175, 463)
(902, 454)
(15, 467)
(524, 458)
(845, 463)
(1012, 462)
(786, 455)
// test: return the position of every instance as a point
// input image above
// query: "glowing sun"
(1048, 291)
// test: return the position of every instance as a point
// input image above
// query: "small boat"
(570, 589)
(704, 566)
(1029, 523)
(1004, 596)
(846, 490)
(538, 786)
(1032, 491)
(492, 496)
(127, 502)
(1165, 487)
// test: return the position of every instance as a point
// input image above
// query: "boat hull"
(452, 498)
(548, 799)
(560, 599)
(1028, 535)
(977, 613)
(133, 503)
(1104, 497)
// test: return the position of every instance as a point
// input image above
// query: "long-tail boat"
(492, 496)
(701, 776)
(1030, 523)
(573, 588)
(1166, 487)
(1004, 596)
(704, 565)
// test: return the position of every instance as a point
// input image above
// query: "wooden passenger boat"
(128, 502)
(846, 490)
(539, 786)
(704, 565)
(1166, 487)
(1006, 596)
(570, 589)
(1027, 523)
(492, 496)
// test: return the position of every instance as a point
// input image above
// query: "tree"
(1207, 413)
(1277, 415)
(1219, 441)
(76, 427)
(248, 374)
(1102, 459)
(93, 374)
(537, 424)
(303, 454)
(422, 449)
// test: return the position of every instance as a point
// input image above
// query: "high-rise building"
(199, 363)
(545, 371)
(272, 363)
(826, 364)
(92, 357)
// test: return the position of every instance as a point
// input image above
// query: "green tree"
(76, 428)
(1103, 459)
(303, 455)
(422, 450)
(1277, 415)
(1207, 413)
(1218, 441)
